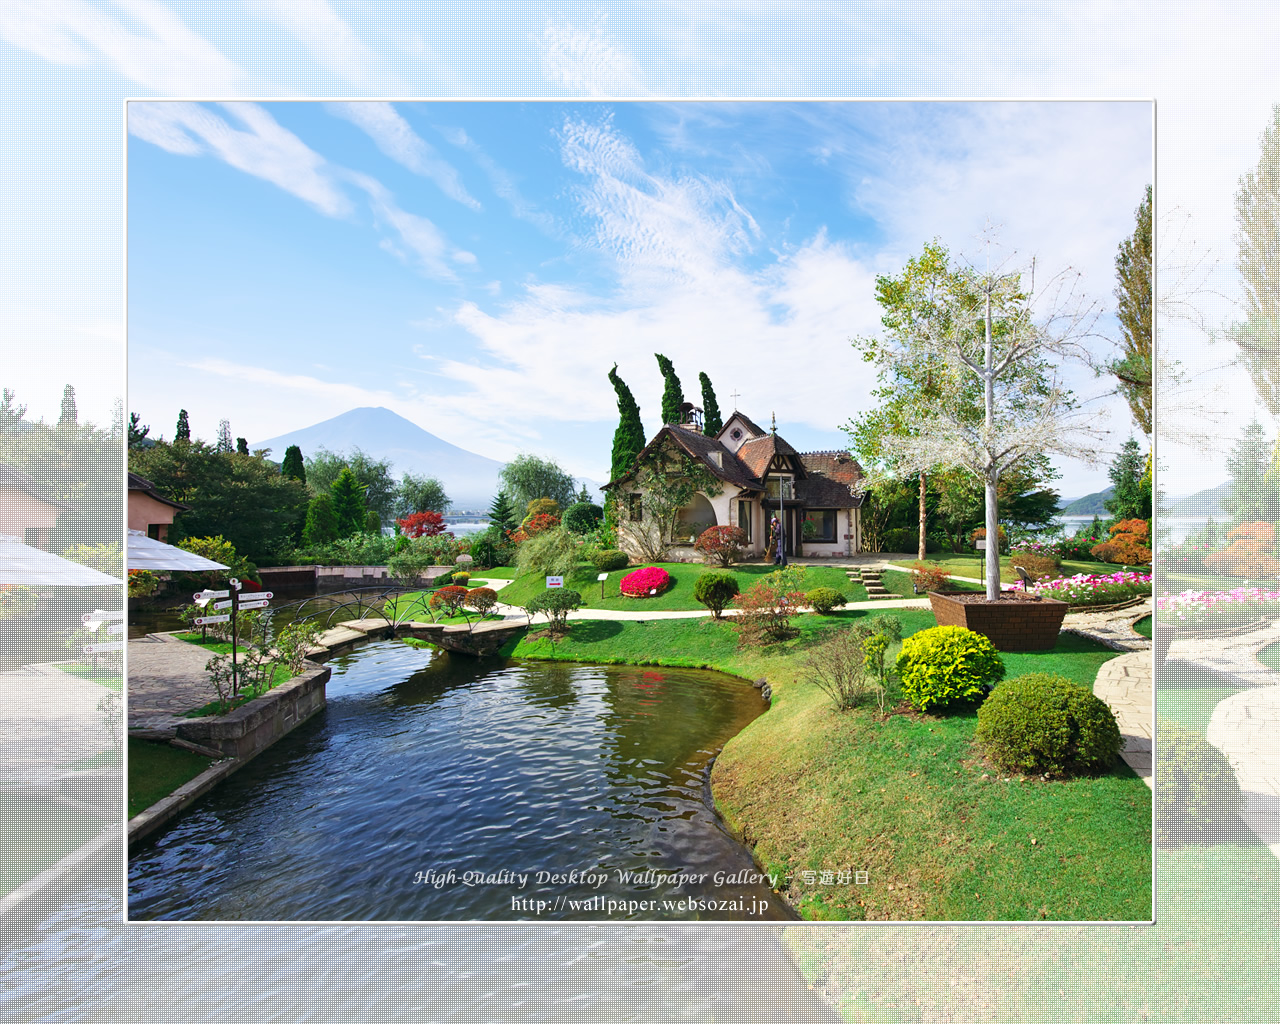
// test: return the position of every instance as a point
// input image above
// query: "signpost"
(555, 581)
(602, 577)
(94, 620)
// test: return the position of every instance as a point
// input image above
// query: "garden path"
(48, 720)
(1125, 683)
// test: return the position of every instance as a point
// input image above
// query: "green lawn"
(100, 674)
(973, 565)
(1143, 626)
(678, 596)
(899, 583)
(902, 797)
(279, 674)
(157, 769)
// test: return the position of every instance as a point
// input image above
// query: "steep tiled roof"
(757, 453)
(19, 481)
(701, 447)
(837, 465)
(747, 422)
(822, 492)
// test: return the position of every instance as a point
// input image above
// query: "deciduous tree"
(527, 477)
(420, 494)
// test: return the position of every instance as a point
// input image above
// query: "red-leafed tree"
(722, 545)
(422, 524)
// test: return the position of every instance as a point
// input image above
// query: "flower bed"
(1219, 609)
(646, 582)
(1093, 589)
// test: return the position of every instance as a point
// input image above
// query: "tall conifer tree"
(1133, 296)
(293, 466)
(183, 430)
(711, 421)
(672, 395)
(628, 439)
(348, 503)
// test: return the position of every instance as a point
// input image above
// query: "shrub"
(482, 599)
(449, 599)
(1038, 566)
(16, 601)
(645, 582)
(610, 560)
(823, 599)
(219, 550)
(1046, 723)
(907, 539)
(1130, 544)
(556, 604)
(461, 577)
(721, 545)
(408, 567)
(930, 576)
(582, 517)
(541, 507)
(715, 590)
(534, 525)
(981, 532)
(838, 668)
(1197, 794)
(764, 612)
(103, 557)
(492, 548)
(553, 552)
(422, 524)
(142, 583)
(1249, 553)
(293, 642)
(947, 664)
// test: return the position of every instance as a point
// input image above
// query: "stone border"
(165, 809)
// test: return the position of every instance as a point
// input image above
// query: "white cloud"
(418, 235)
(265, 150)
(397, 139)
(165, 56)
(587, 61)
(328, 37)
(501, 182)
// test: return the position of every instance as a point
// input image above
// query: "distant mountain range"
(469, 479)
(1089, 505)
(1203, 503)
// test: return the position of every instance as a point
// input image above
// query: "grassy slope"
(156, 770)
(902, 798)
(38, 835)
(677, 597)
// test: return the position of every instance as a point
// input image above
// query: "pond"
(444, 788)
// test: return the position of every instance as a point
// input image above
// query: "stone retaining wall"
(250, 729)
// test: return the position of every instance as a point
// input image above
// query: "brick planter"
(1014, 623)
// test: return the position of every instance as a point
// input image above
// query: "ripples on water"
(426, 763)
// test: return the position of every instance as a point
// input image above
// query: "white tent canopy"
(156, 555)
(25, 566)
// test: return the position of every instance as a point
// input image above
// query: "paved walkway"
(49, 719)
(166, 678)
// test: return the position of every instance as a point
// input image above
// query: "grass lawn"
(678, 596)
(1143, 626)
(157, 769)
(973, 565)
(100, 674)
(899, 583)
(903, 798)
(279, 674)
(37, 835)
(1200, 963)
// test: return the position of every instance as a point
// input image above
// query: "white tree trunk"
(993, 511)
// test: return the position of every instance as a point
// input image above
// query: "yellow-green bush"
(947, 665)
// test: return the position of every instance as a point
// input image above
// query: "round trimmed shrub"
(823, 599)
(1197, 795)
(1046, 723)
(715, 590)
(945, 665)
(610, 560)
(582, 517)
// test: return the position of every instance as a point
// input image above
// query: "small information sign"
(221, 604)
(209, 620)
(209, 595)
(602, 577)
(555, 581)
(117, 645)
(248, 606)
(981, 543)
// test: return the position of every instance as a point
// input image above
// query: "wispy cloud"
(587, 61)
(393, 135)
(326, 35)
(263, 148)
(501, 182)
(418, 235)
(149, 45)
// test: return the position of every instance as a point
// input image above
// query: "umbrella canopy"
(147, 553)
(26, 566)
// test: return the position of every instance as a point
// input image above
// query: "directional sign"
(248, 606)
(209, 620)
(117, 645)
(99, 616)
(221, 604)
(555, 581)
(115, 629)
(210, 594)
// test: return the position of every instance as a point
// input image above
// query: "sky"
(478, 267)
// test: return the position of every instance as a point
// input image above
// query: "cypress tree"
(68, 415)
(501, 513)
(293, 466)
(628, 439)
(183, 430)
(672, 395)
(322, 523)
(711, 421)
(242, 446)
(348, 503)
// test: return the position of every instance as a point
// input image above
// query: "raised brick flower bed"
(1016, 622)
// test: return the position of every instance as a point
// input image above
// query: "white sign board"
(982, 544)
(100, 616)
(256, 595)
(117, 645)
(248, 606)
(602, 577)
(221, 604)
(208, 595)
(555, 581)
(209, 620)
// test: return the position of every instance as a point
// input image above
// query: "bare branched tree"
(993, 330)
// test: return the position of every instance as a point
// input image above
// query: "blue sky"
(479, 266)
